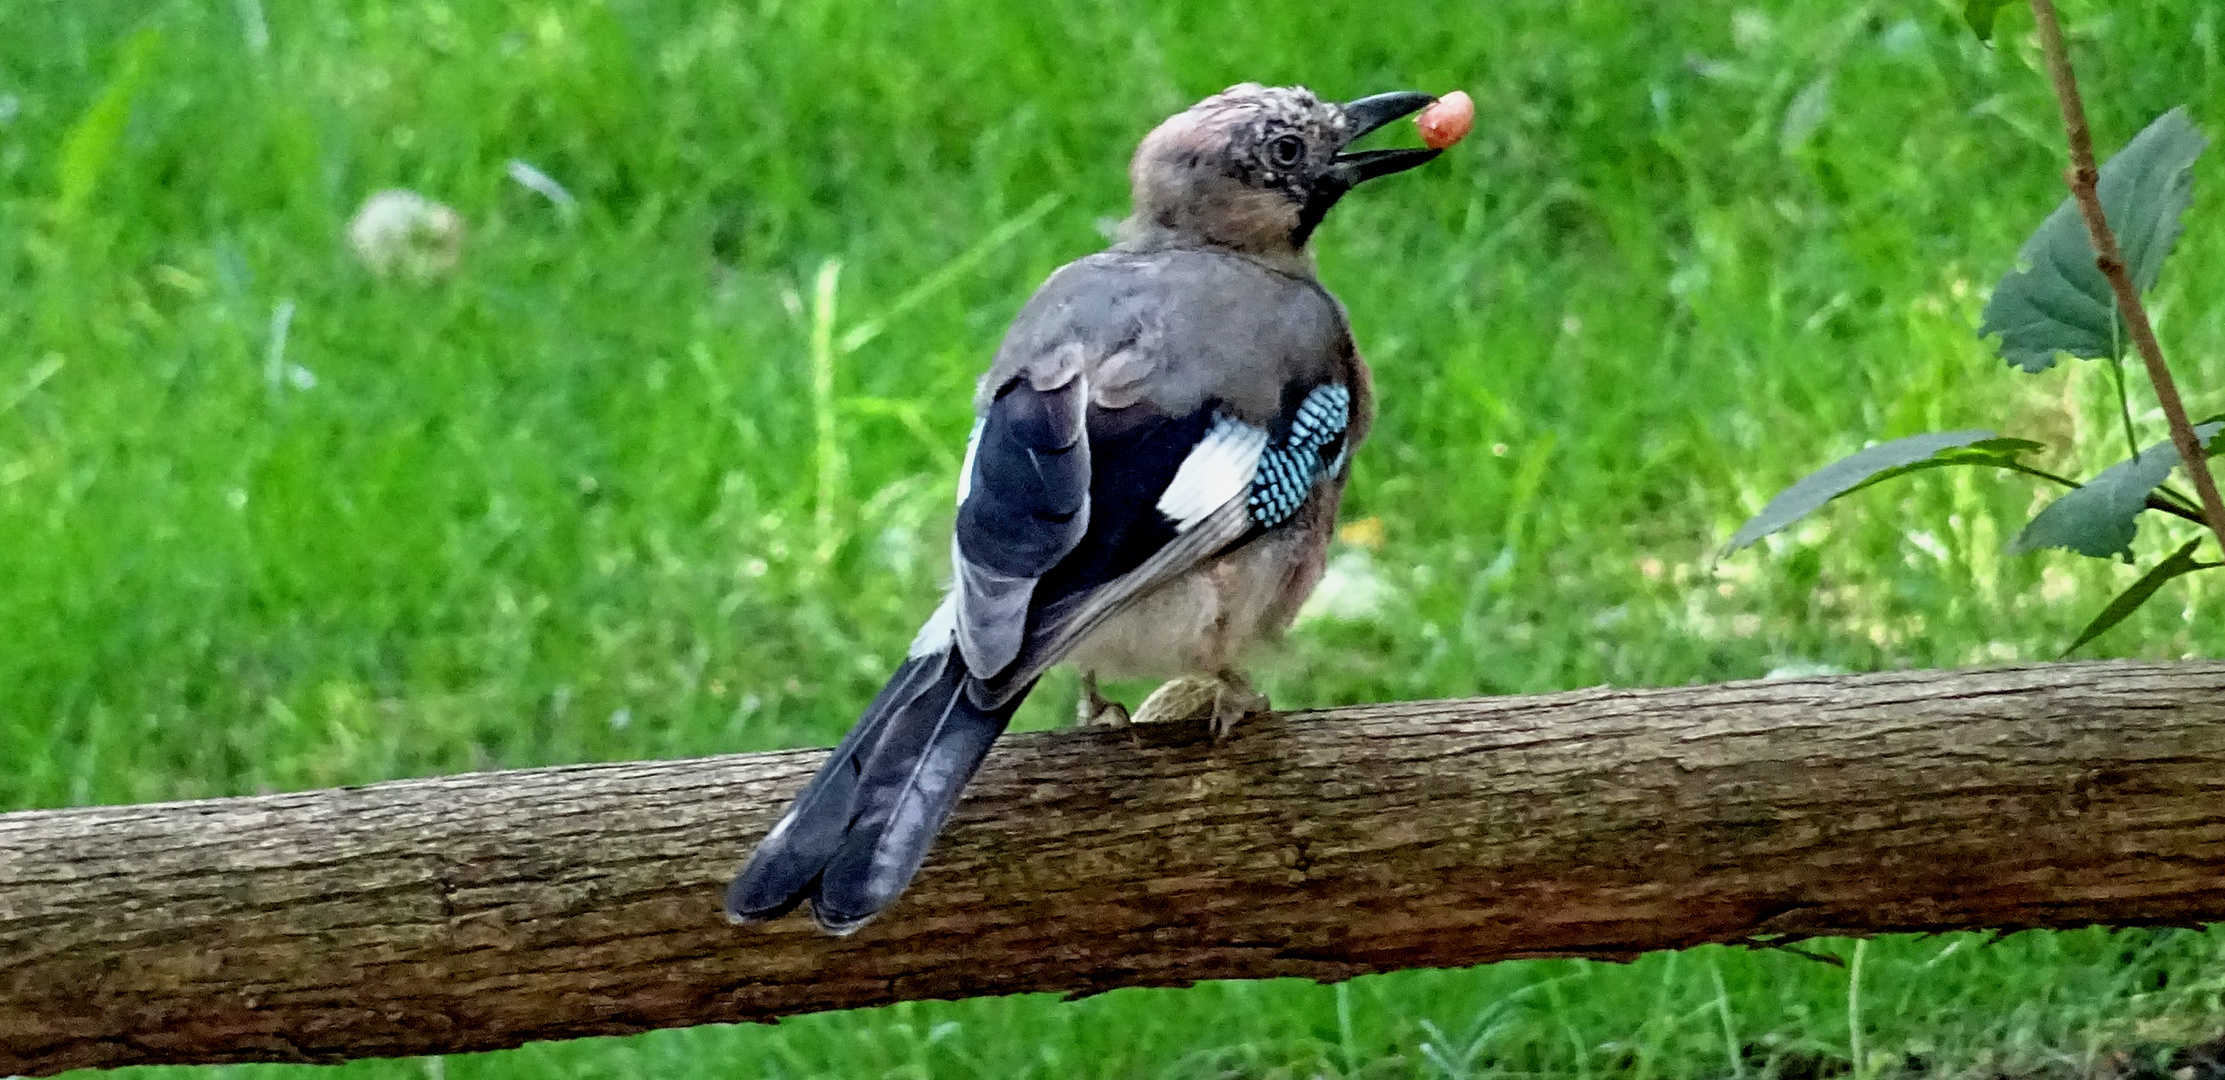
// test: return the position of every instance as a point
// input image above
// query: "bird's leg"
(1225, 699)
(1096, 709)
(1234, 700)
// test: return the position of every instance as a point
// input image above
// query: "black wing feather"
(1138, 450)
(1028, 502)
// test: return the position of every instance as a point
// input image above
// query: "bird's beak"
(1349, 170)
(1366, 115)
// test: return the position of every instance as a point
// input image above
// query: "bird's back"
(1179, 330)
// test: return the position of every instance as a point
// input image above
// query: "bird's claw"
(1234, 703)
(1096, 710)
(1113, 715)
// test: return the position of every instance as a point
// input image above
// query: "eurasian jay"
(1151, 484)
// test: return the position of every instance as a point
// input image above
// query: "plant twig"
(2158, 502)
(2124, 398)
(2084, 176)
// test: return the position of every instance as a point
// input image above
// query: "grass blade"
(91, 143)
(858, 336)
(826, 439)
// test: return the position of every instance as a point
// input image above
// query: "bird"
(1152, 480)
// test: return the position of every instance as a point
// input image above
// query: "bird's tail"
(862, 826)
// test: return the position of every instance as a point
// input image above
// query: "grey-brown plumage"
(1162, 442)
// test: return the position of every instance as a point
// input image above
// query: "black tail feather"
(861, 828)
(788, 861)
(911, 785)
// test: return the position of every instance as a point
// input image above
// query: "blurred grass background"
(270, 521)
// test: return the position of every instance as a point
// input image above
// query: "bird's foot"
(1097, 710)
(1226, 700)
(1234, 701)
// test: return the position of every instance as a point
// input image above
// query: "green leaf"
(1998, 453)
(2057, 300)
(1979, 14)
(2179, 564)
(1848, 474)
(2096, 518)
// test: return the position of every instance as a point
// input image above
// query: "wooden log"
(482, 911)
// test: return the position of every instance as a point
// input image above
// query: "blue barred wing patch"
(1287, 472)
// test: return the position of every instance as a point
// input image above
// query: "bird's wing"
(1111, 458)
(1235, 482)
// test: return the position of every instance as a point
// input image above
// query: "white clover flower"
(400, 231)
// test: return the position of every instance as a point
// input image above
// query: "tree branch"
(482, 911)
(2084, 177)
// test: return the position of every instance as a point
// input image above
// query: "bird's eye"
(1286, 151)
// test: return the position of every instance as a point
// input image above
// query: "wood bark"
(482, 911)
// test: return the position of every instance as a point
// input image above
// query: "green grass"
(574, 502)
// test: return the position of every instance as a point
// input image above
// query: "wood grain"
(481, 911)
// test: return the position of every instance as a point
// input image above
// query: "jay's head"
(1254, 168)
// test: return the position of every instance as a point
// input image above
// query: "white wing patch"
(941, 629)
(1220, 467)
(965, 468)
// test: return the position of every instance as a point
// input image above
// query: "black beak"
(1366, 115)
(1348, 171)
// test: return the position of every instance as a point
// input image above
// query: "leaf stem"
(2041, 473)
(2124, 400)
(2163, 499)
(2158, 502)
(2172, 494)
(2084, 176)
